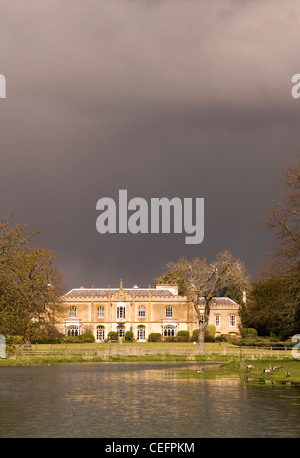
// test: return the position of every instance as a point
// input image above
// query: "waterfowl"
(267, 371)
(250, 366)
(287, 374)
(276, 367)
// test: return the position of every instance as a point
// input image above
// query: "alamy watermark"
(134, 216)
(2, 87)
(296, 89)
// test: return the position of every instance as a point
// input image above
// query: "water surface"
(134, 400)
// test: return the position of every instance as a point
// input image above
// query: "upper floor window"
(217, 321)
(232, 321)
(142, 311)
(121, 311)
(73, 312)
(100, 312)
(169, 312)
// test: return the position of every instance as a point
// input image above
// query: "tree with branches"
(203, 279)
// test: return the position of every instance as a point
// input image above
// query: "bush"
(14, 340)
(82, 338)
(221, 338)
(183, 333)
(210, 332)
(154, 337)
(129, 336)
(209, 335)
(249, 333)
(112, 335)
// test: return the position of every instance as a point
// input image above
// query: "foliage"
(154, 337)
(209, 334)
(248, 333)
(113, 335)
(129, 336)
(30, 291)
(273, 304)
(171, 276)
(183, 333)
(82, 338)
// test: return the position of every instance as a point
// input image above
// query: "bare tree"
(283, 218)
(203, 279)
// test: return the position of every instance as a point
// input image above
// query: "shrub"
(209, 335)
(221, 338)
(183, 333)
(210, 332)
(129, 336)
(86, 337)
(112, 335)
(154, 337)
(249, 333)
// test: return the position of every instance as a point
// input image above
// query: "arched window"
(121, 331)
(100, 333)
(169, 331)
(141, 333)
(72, 331)
(100, 312)
(142, 311)
(73, 312)
(120, 311)
(169, 312)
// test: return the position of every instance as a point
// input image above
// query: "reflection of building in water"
(142, 311)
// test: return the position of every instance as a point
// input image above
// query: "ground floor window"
(100, 333)
(121, 331)
(232, 321)
(141, 333)
(72, 331)
(169, 331)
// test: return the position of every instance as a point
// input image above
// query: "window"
(72, 331)
(100, 312)
(217, 321)
(73, 312)
(141, 333)
(121, 331)
(202, 318)
(142, 311)
(232, 321)
(121, 311)
(169, 331)
(169, 312)
(100, 332)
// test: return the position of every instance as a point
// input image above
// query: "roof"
(218, 301)
(103, 292)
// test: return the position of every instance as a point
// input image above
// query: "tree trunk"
(202, 327)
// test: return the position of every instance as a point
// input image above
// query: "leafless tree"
(203, 279)
(283, 219)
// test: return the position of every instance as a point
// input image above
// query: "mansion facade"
(142, 311)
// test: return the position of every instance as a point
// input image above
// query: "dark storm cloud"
(165, 98)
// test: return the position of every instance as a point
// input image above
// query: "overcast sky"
(164, 98)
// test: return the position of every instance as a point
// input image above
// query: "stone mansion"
(141, 310)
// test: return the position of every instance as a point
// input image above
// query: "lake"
(140, 400)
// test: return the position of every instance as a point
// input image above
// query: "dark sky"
(162, 98)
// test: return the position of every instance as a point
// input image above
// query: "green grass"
(238, 369)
